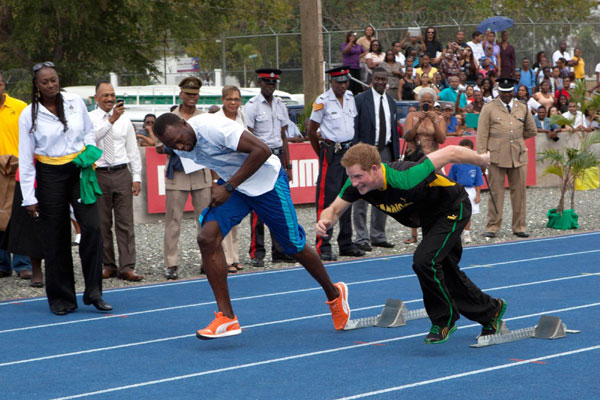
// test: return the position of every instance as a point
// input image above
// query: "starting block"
(394, 314)
(548, 327)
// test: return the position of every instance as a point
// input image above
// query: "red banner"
(305, 171)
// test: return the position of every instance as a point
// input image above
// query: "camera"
(426, 107)
(119, 102)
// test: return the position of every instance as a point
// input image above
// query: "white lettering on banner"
(304, 173)
(160, 170)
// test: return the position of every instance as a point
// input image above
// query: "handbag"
(416, 155)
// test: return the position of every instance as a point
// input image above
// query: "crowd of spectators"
(469, 71)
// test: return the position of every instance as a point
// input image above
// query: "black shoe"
(171, 273)
(384, 244)
(439, 335)
(59, 311)
(100, 304)
(363, 246)
(521, 234)
(493, 327)
(328, 256)
(490, 234)
(257, 262)
(352, 252)
(284, 259)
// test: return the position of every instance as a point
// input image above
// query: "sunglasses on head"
(39, 66)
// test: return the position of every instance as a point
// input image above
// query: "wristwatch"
(228, 187)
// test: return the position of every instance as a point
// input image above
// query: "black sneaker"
(493, 327)
(364, 246)
(439, 335)
(328, 256)
(257, 262)
(352, 252)
(283, 259)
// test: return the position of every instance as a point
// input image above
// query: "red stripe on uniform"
(253, 222)
(321, 199)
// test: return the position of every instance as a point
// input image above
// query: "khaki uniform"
(503, 134)
(177, 190)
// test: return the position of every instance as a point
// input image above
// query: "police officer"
(267, 118)
(503, 126)
(333, 115)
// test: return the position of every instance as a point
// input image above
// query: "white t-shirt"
(477, 48)
(218, 139)
(557, 54)
(597, 68)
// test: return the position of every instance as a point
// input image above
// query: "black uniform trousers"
(57, 187)
(447, 291)
(332, 176)
(257, 234)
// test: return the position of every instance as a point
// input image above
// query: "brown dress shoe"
(130, 276)
(108, 272)
(25, 274)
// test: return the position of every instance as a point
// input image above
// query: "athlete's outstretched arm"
(329, 216)
(458, 155)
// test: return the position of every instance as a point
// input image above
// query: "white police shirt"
(266, 120)
(337, 121)
(216, 148)
(49, 138)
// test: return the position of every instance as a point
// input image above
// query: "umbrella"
(495, 24)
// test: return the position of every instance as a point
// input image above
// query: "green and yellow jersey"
(413, 194)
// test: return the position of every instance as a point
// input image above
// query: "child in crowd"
(469, 176)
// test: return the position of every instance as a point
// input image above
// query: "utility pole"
(312, 49)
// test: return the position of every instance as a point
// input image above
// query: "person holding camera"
(119, 172)
(352, 53)
(424, 131)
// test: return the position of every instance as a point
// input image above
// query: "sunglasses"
(39, 66)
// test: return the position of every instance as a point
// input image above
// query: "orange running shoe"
(340, 310)
(221, 326)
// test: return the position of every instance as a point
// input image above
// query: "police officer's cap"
(506, 84)
(269, 74)
(339, 74)
(191, 84)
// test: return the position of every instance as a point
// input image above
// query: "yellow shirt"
(578, 69)
(9, 125)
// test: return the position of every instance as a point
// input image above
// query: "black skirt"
(22, 234)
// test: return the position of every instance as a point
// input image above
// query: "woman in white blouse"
(54, 129)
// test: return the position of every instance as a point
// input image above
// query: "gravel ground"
(149, 238)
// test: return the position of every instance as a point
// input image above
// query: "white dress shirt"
(124, 142)
(386, 110)
(266, 120)
(49, 138)
(239, 117)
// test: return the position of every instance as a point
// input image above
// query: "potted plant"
(570, 163)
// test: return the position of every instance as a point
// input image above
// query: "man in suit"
(503, 126)
(375, 124)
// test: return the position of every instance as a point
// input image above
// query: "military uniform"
(266, 121)
(178, 187)
(337, 132)
(503, 134)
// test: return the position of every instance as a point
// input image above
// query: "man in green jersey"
(416, 196)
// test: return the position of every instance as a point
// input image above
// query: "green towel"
(88, 183)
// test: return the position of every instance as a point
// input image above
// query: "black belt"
(339, 146)
(277, 151)
(112, 167)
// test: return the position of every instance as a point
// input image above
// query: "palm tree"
(570, 163)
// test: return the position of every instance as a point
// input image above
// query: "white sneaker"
(467, 236)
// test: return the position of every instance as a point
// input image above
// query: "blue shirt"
(468, 175)
(451, 126)
(545, 124)
(528, 79)
(450, 94)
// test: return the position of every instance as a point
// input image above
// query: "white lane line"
(294, 269)
(297, 356)
(469, 373)
(538, 258)
(586, 275)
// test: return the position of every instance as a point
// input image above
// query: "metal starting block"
(548, 327)
(394, 314)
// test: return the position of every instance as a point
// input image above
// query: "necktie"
(508, 108)
(109, 146)
(382, 132)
